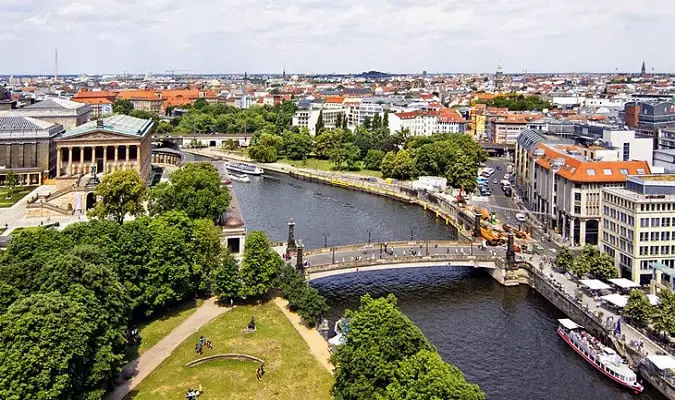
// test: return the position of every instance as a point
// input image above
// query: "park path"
(148, 361)
(318, 346)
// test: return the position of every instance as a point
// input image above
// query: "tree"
(297, 146)
(373, 159)
(461, 173)
(663, 318)
(123, 107)
(564, 259)
(603, 267)
(383, 354)
(225, 279)
(385, 120)
(259, 265)
(387, 164)
(45, 348)
(347, 153)
(638, 308)
(582, 266)
(426, 376)
(325, 143)
(318, 127)
(142, 114)
(12, 183)
(194, 189)
(403, 166)
(264, 154)
(122, 192)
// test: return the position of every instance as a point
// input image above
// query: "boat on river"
(244, 168)
(604, 359)
(240, 178)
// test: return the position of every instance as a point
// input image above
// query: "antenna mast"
(56, 64)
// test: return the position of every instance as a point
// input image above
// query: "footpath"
(317, 344)
(141, 367)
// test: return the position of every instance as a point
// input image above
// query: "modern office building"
(638, 226)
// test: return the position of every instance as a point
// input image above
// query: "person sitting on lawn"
(251, 325)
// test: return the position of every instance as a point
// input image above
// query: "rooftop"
(119, 124)
(55, 103)
(17, 124)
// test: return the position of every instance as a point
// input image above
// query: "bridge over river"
(339, 260)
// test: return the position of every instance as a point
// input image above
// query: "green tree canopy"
(225, 278)
(297, 146)
(123, 107)
(194, 189)
(122, 192)
(373, 159)
(259, 265)
(385, 354)
(564, 259)
(638, 308)
(663, 318)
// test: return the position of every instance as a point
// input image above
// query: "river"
(501, 338)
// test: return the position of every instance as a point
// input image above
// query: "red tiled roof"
(576, 170)
(335, 99)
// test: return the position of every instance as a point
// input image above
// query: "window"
(665, 235)
(577, 196)
(644, 250)
(577, 209)
(654, 236)
(607, 171)
(626, 151)
(644, 222)
(641, 171)
(653, 250)
(665, 221)
(665, 250)
(644, 236)
(590, 172)
(655, 222)
(623, 171)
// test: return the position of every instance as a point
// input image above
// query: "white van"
(505, 183)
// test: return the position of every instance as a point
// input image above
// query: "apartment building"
(648, 117)
(422, 123)
(506, 129)
(308, 117)
(566, 185)
(638, 227)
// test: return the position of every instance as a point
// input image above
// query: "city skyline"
(317, 37)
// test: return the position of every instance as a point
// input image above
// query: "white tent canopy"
(595, 284)
(616, 299)
(662, 362)
(569, 324)
(624, 283)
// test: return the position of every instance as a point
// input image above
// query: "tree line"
(590, 262)
(517, 102)
(69, 299)
(387, 357)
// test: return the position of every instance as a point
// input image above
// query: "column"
(58, 162)
(105, 159)
(70, 161)
(127, 153)
(82, 167)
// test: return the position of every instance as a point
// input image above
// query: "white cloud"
(331, 36)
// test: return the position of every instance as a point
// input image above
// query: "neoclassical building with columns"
(105, 145)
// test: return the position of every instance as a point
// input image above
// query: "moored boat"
(244, 168)
(603, 358)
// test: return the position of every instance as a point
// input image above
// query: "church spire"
(643, 72)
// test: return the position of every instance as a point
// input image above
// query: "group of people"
(192, 394)
(199, 347)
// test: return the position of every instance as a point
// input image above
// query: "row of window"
(655, 222)
(656, 250)
(656, 236)
(617, 214)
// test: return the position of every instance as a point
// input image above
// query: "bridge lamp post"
(412, 233)
(333, 249)
(325, 239)
(368, 235)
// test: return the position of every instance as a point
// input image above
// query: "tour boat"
(603, 358)
(244, 168)
(240, 178)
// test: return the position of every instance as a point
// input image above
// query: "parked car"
(507, 191)
(520, 217)
(494, 181)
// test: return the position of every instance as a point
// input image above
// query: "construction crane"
(173, 71)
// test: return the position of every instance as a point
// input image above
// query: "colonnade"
(121, 158)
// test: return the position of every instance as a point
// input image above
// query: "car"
(520, 217)
(507, 191)
(494, 181)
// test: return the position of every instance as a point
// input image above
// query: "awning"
(569, 324)
(624, 283)
(616, 299)
(662, 362)
(595, 284)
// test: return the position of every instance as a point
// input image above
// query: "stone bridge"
(331, 261)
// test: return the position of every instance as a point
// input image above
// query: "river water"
(501, 338)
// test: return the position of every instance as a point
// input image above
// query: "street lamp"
(412, 233)
(368, 235)
(333, 249)
(325, 239)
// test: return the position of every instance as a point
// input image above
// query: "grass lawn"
(19, 194)
(291, 372)
(154, 330)
(326, 165)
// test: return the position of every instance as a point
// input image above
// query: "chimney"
(99, 123)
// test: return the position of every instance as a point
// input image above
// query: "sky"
(348, 36)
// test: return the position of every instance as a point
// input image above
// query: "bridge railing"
(470, 259)
(375, 246)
